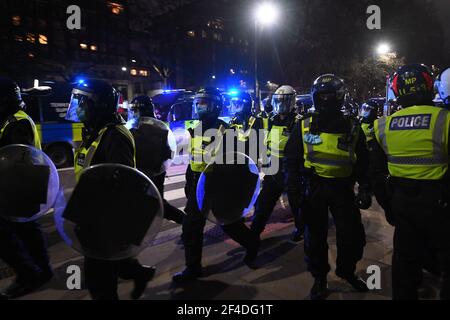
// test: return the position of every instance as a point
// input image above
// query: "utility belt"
(413, 188)
(313, 177)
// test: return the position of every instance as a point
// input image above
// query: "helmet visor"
(365, 110)
(202, 106)
(282, 103)
(237, 106)
(77, 107)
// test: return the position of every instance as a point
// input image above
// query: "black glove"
(389, 217)
(363, 198)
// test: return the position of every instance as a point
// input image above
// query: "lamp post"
(265, 14)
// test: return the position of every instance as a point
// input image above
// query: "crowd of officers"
(401, 159)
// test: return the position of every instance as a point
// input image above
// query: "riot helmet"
(10, 97)
(284, 100)
(442, 86)
(208, 103)
(413, 85)
(93, 102)
(328, 93)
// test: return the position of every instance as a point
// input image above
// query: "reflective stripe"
(310, 149)
(438, 137)
(382, 134)
(416, 161)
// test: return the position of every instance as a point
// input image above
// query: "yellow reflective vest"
(242, 135)
(84, 155)
(19, 116)
(333, 156)
(415, 141)
(203, 149)
(369, 131)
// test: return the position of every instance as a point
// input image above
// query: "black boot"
(187, 275)
(22, 287)
(357, 283)
(141, 280)
(319, 290)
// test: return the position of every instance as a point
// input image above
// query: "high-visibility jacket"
(19, 116)
(84, 154)
(203, 148)
(369, 131)
(415, 141)
(243, 133)
(333, 156)
(278, 136)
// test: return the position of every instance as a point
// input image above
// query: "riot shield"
(29, 183)
(113, 213)
(227, 192)
(156, 145)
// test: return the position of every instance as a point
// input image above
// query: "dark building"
(37, 44)
(205, 43)
(138, 46)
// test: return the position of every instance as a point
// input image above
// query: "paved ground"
(281, 273)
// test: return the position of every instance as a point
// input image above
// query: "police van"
(47, 105)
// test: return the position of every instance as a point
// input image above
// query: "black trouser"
(194, 224)
(381, 192)
(272, 189)
(421, 222)
(337, 196)
(23, 247)
(170, 212)
(102, 276)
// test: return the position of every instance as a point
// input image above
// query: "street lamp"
(265, 14)
(383, 49)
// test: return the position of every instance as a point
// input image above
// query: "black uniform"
(317, 195)
(151, 151)
(22, 245)
(102, 276)
(194, 222)
(378, 175)
(274, 185)
(422, 222)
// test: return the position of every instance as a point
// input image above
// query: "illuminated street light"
(124, 69)
(266, 14)
(383, 49)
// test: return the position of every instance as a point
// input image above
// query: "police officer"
(280, 126)
(369, 113)
(246, 124)
(442, 86)
(415, 143)
(325, 154)
(208, 103)
(152, 148)
(105, 140)
(22, 245)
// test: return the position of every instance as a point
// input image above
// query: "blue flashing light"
(233, 92)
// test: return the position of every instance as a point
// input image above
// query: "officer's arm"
(293, 164)
(362, 163)
(378, 161)
(19, 132)
(118, 148)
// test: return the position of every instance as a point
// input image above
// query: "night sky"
(444, 12)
